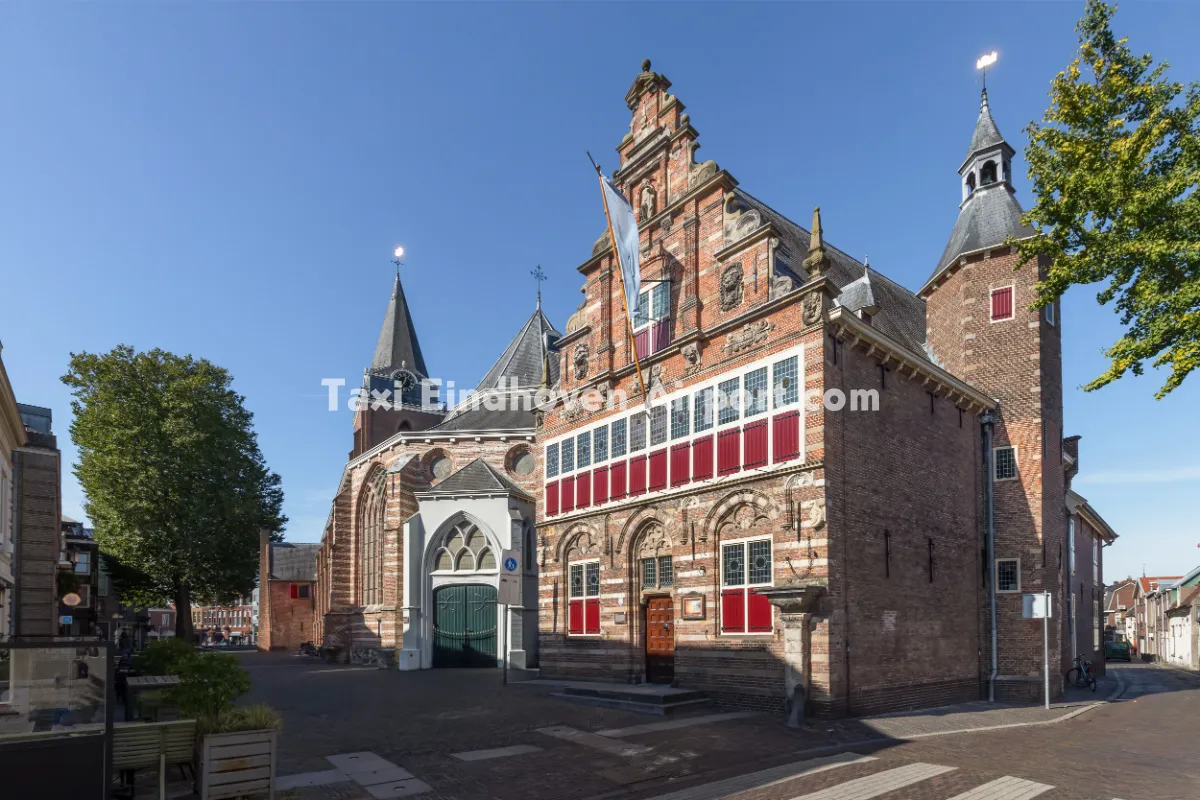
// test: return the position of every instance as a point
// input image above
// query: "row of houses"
(1158, 616)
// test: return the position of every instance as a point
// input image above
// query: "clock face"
(404, 379)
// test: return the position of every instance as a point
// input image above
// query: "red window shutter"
(592, 616)
(760, 613)
(729, 451)
(681, 464)
(756, 444)
(1002, 305)
(583, 490)
(600, 485)
(551, 498)
(637, 475)
(733, 611)
(661, 334)
(294, 590)
(617, 479)
(641, 342)
(575, 617)
(786, 439)
(702, 458)
(658, 470)
(568, 494)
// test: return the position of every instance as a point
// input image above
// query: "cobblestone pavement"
(1141, 747)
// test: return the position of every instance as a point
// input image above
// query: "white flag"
(625, 229)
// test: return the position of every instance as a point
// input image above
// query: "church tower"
(981, 328)
(398, 368)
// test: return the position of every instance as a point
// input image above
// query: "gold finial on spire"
(817, 262)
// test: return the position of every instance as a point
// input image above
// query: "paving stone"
(351, 763)
(399, 789)
(372, 777)
(321, 778)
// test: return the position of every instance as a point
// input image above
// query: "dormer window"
(865, 315)
(987, 175)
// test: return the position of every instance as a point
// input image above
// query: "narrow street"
(490, 741)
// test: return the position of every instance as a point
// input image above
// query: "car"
(1117, 651)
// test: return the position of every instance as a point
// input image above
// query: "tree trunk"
(183, 612)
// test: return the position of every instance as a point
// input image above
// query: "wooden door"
(660, 640)
(464, 626)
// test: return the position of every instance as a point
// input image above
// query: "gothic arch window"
(970, 183)
(374, 508)
(987, 175)
(465, 550)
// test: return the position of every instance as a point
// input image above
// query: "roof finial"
(645, 65)
(538, 276)
(983, 64)
(817, 262)
(398, 260)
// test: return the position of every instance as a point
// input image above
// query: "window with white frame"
(637, 432)
(583, 598)
(658, 425)
(1002, 303)
(551, 460)
(785, 382)
(1005, 459)
(653, 305)
(728, 401)
(1008, 574)
(568, 455)
(745, 566)
(618, 437)
(600, 444)
(583, 450)
(83, 562)
(680, 419)
(657, 573)
(756, 392)
(704, 409)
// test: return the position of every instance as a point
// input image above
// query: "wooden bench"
(142, 745)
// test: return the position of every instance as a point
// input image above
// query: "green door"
(464, 626)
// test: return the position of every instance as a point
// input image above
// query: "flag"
(625, 230)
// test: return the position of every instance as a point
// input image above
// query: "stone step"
(643, 700)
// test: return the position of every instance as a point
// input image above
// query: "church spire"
(398, 347)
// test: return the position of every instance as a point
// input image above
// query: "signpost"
(509, 595)
(1037, 606)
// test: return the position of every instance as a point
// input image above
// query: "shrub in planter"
(237, 753)
(209, 683)
(164, 657)
(258, 717)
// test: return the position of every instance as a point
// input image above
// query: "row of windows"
(738, 398)
(746, 567)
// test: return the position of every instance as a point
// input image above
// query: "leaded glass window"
(618, 438)
(759, 561)
(593, 578)
(704, 409)
(551, 460)
(666, 573)
(680, 426)
(733, 565)
(786, 382)
(658, 425)
(568, 455)
(637, 432)
(756, 392)
(583, 450)
(649, 573)
(600, 444)
(577, 580)
(728, 402)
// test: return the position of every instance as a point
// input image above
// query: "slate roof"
(901, 313)
(294, 562)
(478, 477)
(478, 418)
(987, 219)
(398, 345)
(986, 133)
(521, 361)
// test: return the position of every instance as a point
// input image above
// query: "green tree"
(1115, 165)
(176, 486)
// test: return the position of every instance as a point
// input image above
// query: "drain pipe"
(989, 422)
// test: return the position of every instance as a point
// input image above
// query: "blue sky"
(229, 180)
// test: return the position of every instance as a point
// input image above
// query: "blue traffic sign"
(510, 564)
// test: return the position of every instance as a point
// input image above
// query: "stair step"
(639, 705)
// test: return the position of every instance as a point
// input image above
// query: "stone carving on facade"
(691, 358)
(815, 512)
(698, 173)
(584, 544)
(739, 220)
(751, 335)
(742, 521)
(731, 286)
(655, 377)
(647, 203)
(667, 224)
(602, 245)
(654, 542)
(580, 359)
(577, 320)
(781, 285)
(811, 307)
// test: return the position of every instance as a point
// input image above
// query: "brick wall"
(37, 514)
(291, 618)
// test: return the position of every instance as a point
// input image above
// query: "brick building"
(1118, 612)
(228, 622)
(37, 523)
(287, 616)
(12, 436)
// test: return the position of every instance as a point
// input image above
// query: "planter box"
(237, 764)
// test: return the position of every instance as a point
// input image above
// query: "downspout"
(989, 422)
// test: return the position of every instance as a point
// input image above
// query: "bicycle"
(1082, 673)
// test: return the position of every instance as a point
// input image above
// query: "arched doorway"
(464, 626)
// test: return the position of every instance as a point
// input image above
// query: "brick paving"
(1141, 747)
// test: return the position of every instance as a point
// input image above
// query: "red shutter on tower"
(592, 616)
(786, 440)
(583, 490)
(617, 479)
(551, 498)
(760, 613)
(641, 342)
(756, 444)
(600, 485)
(575, 617)
(295, 591)
(681, 464)
(702, 458)
(729, 451)
(658, 470)
(1002, 303)
(568, 494)
(733, 611)
(637, 475)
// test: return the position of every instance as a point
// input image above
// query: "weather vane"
(398, 259)
(538, 276)
(984, 63)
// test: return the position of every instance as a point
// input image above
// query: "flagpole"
(621, 276)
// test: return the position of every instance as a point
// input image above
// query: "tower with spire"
(980, 326)
(398, 368)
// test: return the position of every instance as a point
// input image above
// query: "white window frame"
(585, 597)
(1051, 316)
(996, 576)
(745, 587)
(649, 295)
(1012, 287)
(996, 464)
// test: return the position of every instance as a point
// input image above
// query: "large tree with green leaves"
(1115, 165)
(176, 486)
